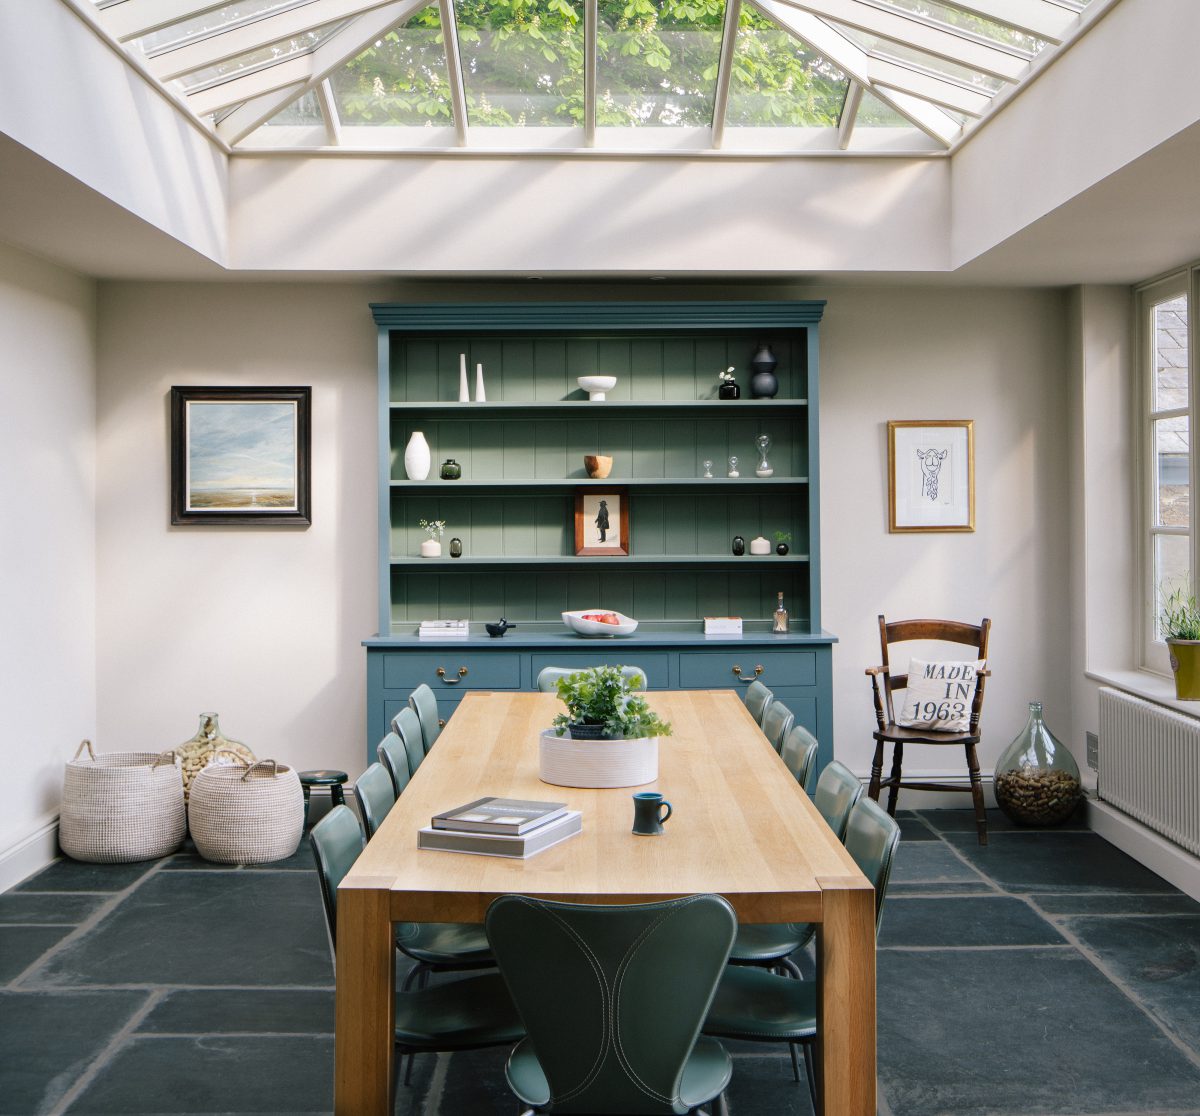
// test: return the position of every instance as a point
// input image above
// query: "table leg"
(364, 1041)
(846, 1000)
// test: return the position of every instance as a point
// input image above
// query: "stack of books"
(513, 827)
(443, 629)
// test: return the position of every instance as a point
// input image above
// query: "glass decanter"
(203, 748)
(1037, 778)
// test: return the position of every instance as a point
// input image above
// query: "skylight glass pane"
(777, 80)
(256, 59)
(522, 62)
(400, 80)
(956, 18)
(305, 110)
(932, 63)
(873, 113)
(657, 64)
(198, 27)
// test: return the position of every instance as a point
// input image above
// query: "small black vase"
(780, 548)
(729, 390)
(456, 548)
(763, 384)
(739, 545)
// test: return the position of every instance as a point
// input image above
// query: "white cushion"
(939, 695)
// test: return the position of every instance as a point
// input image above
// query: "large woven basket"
(121, 806)
(246, 813)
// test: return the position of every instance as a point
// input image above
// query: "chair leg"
(795, 1062)
(791, 968)
(977, 793)
(719, 1105)
(894, 778)
(876, 771)
(810, 1070)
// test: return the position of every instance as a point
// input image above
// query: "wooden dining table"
(742, 827)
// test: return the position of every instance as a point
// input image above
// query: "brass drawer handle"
(462, 673)
(737, 670)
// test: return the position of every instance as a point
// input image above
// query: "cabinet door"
(737, 667)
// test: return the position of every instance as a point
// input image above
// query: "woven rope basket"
(246, 813)
(121, 806)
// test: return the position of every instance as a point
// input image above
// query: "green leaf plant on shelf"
(1179, 622)
(603, 704)
(434, 528)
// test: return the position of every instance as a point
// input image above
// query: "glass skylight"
(267, 55)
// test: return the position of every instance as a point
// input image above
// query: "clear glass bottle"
(197, 753)
(1037, 778)
(781, 617)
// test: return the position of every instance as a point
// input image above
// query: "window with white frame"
(1167, 458)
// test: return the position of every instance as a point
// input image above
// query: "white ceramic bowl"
(596, 386)
(576, 622)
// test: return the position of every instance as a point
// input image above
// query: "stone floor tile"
(963, 821)
(934, 887)
(49, 1039)
(1117, 903)
(242, 1010)
(76, 875)
(21, 946)
(931, 862)
(40, 909)
(969, 921)
(913, 829)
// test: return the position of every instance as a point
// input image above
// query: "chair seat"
(461, 944)
(458, 1015)
(755, 1004)
(898, 734)
(705, 1075)
(761, 943)
(324, 778)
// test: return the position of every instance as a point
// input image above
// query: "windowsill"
(1145, 684)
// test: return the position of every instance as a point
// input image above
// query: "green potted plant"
(608, 737)
(782, 539)
(1179, 621)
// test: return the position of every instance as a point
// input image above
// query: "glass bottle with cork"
(780, 623)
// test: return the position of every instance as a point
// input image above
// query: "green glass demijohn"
(1037, 778)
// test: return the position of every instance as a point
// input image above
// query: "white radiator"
(1148, 765)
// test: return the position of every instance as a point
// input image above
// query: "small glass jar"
(203, 748)
(1037, 778)
(451, 469)
(456, 548)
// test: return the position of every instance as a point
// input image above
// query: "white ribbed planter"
(564, 762)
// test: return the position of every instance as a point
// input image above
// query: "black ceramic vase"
(456, 548)
(763, 382)
(780, 548)
(729, 390)
(739, 545)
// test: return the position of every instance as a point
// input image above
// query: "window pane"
(1170, 354)
(306, 110)
(951, 16)
(1172, 570)
(1172, 472)
(254, 59)
(208, 23)
(873, 113)
(657, 69)
(522, 63)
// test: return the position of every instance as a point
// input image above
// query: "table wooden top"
(742, 826)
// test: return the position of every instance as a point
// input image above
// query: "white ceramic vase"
(431, 548)
(760, 546)
(417, 458)
(564, 762)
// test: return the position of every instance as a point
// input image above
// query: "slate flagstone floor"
(1046, 974)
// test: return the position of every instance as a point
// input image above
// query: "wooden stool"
(334, 780)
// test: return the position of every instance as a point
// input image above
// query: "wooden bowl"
(597, 467)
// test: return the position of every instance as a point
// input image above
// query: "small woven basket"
(121, 806)
(246, 813)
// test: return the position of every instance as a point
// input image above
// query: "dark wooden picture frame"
(240, 455)
(588, 502)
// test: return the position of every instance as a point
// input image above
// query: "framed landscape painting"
(931, 475)
(240, 455)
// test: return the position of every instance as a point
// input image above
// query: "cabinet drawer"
(653, 663)
(483, 671)
(699, 670)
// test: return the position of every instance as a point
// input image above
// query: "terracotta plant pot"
(1185, 662)
(598, 467)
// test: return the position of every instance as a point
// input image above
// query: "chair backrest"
(375, 795)
(336, 842)
(777, 723)
(971, 636)
(872, 838)
(407, 726)
(757, 697)
(394, 757)
(799, 752)
(838, 789)
(630, 988)
(547, 679)
(423, 702)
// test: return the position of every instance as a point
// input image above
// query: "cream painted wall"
(47, 545)
(264, 625)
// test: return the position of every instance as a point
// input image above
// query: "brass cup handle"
(737, 670)
(441, 673)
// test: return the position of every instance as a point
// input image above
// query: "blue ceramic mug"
(648, 817)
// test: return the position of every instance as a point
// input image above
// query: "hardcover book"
(499, 815)
(517, 846)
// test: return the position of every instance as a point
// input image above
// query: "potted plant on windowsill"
(1179, 621)
(608, 737)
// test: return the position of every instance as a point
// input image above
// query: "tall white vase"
(416, 457)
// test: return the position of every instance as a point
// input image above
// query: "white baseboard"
(1161, 856)
(936, 800)
(29, 855)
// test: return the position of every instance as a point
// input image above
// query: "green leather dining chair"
(423, 702)
(799, 752)
(838, 789)
(407, 726)
(375, 794)
(759, 1006)
(392, 755)
(757, 698)
(547, 679)
(465, 1014)
(616, 1030)
(777, 723)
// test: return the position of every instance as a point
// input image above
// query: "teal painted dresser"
(521, 456)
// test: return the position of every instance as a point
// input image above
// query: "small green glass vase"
(1037, 778)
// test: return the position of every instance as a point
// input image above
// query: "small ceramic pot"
(729, 390)
(431, 548)
(597, 466)
(760, 546)
(780, 548)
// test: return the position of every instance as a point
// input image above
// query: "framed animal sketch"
(931, 475)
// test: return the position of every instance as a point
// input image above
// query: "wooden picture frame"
(931, 475)
(240, 455)
(589, 531)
